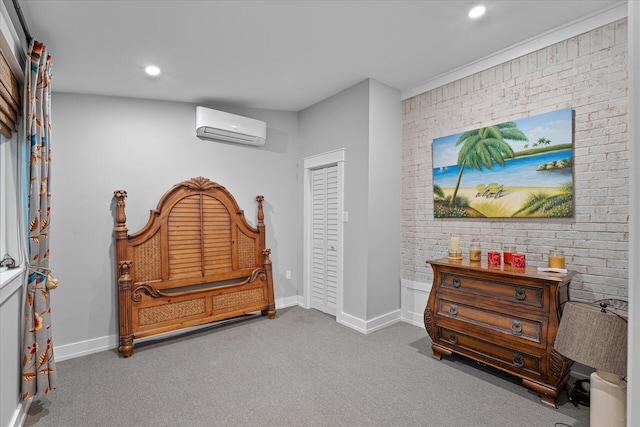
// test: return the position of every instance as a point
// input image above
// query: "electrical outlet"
(288, 274)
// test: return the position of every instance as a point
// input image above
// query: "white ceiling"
(282, 55)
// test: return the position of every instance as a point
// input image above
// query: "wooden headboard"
(196, 261)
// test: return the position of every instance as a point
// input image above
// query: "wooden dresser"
(500, 316)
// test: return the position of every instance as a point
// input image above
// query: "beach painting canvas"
(518, 169)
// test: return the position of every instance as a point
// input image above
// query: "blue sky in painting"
(555, 126)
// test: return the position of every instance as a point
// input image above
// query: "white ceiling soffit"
(285, 55)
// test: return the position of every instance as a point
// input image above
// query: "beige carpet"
(301, 369)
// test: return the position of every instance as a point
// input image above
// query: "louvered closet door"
(324, 224)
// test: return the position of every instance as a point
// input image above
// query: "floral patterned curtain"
(38, 366)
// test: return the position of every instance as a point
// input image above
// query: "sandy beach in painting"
(510, 200)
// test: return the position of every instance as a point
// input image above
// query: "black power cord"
(603, 307)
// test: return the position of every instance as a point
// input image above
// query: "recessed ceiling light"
(477, 12)
(152, 70)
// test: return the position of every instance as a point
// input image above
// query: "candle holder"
(454, 250)
(494, 258)
(556, 258)
(475, 252)
(518, 260)
(507, 252)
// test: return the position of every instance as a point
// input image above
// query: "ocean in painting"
(518, 172)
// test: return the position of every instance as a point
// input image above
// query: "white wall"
(365, 119)
(633, 396)
(621, 274)
(101, 144)
(588, 73)
(12, 409)
(385, 155)
(342, 121)
(10, 287)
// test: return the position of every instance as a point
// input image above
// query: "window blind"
(9, 99)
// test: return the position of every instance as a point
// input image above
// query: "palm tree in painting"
(485, 146)
(543, 141)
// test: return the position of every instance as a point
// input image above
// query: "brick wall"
(587, 73)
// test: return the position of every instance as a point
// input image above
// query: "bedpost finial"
(260, 211)
(121, 217)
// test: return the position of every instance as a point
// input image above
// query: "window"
(9, 196)
(11, 55)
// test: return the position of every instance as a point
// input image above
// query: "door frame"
(319, 161)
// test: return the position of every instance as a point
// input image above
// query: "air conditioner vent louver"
(221, 126)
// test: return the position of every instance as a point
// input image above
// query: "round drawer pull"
(453, 337)
(456, 282)
(518, 360)
(516, 327)
(520, 293)
(453, 309)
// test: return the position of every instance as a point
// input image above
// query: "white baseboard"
(95, 345)
(287, 302)
(84, 348)
(20, 416)
(302, 302)
(368, 326)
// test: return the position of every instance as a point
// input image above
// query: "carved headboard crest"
(200, 184)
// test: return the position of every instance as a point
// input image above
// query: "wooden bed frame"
(196, 261)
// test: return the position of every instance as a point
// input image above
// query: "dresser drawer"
(529, 295)
(510, 326)
(516, 361)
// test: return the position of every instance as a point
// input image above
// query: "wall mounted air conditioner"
(221, 126)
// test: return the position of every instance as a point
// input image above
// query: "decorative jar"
(454, 249)
(556, 258)
(475, 252)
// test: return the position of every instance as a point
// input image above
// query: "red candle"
(518, 260)
(507, 257)
(493, 258)
(507, 252)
